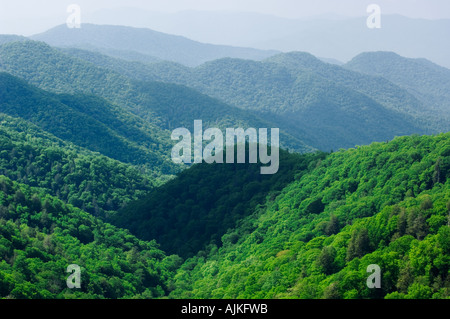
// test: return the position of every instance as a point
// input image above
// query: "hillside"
(312, 102)
(87, 176)
(198, 207)
(159, 107)
(427, 81)
(40, 237)
(307, 232)
(386, 204)
(146, 42)
(324, 105)
(85, 179)
(87, 121)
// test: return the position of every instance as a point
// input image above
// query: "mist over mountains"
(144, 41)
(328, 36)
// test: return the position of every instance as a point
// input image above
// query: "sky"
(27, 17)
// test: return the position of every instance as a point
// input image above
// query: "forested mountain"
(427, 81)
(309, 232)
(40, 237)
(324, 105)
(85, 179)
(161, 107)
(87, 121)
(86, 175)
(144, 41)
(386, 204)
(204, 202)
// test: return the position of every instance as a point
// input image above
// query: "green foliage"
(87, 121)
(381, 206)
(40, 237)
(204, 202)
(142, 113)
(325, 105)
(84, 179)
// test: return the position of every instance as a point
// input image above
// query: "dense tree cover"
(87, 180)
(144, 43)
(40, 237)
(425, 80)
(386, 204)
(309, 231)
(325, 105)
(161, 107)
(87, 121)
(205, 201)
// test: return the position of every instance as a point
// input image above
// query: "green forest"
(310, 232)
(86, 175)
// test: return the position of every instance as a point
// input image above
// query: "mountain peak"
(145, 41)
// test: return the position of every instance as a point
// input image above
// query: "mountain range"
(145, 43)
(86, 175)
(328, 36)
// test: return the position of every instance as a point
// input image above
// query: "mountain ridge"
(144, 41)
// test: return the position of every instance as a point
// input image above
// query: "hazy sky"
(28, 17)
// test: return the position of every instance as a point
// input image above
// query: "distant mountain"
(140, 41)
(335, 37)
(427, 81)
(6, 38)
(161, 107)
(386, 92)
(322, 104)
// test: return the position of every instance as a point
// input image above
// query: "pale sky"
(28, 17)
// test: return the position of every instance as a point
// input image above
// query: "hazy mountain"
(322, 104)
(162, 106)
(144, 41)
(425, 80)
(340, 38)
(388, 93)
(85, 143)
(6, 38)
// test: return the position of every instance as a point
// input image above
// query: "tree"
(325, 260)
(359, 244)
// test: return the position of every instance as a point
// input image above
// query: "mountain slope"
(144, 41)
(202, 203)
(386, 204)
(40, 237)
(82, 178)
(425, 80)
(84, 120)
(164, 106)
(325, 105)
